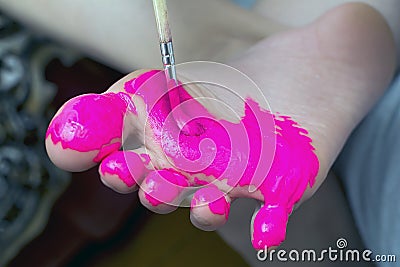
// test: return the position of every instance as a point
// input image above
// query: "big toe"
(85, 130)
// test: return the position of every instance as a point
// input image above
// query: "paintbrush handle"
(161, 13)
(164, 32)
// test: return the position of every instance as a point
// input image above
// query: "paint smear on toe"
(214, 198)
(91, 122)
(164, 186)
(269, 226)
(127, 165)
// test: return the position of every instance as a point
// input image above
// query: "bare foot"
(320, 81)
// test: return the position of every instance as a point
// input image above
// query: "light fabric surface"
(369, 166)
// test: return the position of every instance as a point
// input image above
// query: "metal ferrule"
(167, 53)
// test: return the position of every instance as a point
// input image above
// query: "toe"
(269, 226)
(85, 130)
(122, 171)
(209, 208)
(162, 191)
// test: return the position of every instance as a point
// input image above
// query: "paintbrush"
(168, 60)
(166, 47)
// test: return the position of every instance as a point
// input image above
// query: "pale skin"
(326, 75)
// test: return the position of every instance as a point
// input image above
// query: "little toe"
(269, 226)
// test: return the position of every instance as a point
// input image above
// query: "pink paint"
(164, 186)
(146, 158)
(214, 198)
(106, 150)
(132, 85)
(91, 122)
(276, 159)
(127, 165)
(198, 181)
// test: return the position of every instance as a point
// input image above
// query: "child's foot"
(320, 79)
